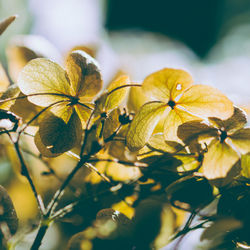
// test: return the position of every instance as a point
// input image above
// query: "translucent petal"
(59, 134)
(84, 74)
(166, 84)
(143, 124)
(175, 118)
(44, 76)
(241, 140)
(206, 101)
(219, 160)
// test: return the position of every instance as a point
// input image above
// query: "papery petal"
(218, 160)
(175, 118)
(241, 140)
(206, 101)
(166, 84)
(44, 76)
(84, 74)
(143, 124)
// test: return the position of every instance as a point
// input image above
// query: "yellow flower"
(229, 141)
(178, 100)
(67, 93)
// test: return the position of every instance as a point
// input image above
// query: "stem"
(39, 237)
(59, 193)
(184, 230)
(25, 172)
(124, 86)
(37, 115)
(36, 94)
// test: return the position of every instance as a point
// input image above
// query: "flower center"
(223, 135)
(171, 104)
(74, 100)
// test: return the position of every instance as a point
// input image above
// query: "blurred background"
(210, 39)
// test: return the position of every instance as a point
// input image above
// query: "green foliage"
(118, 162)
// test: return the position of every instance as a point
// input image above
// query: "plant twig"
(25, 172)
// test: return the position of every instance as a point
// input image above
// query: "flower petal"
(166, 84)
(174, 119)
(43, 76)
(83, 113)
(59, 134)
(143, 124)
(136, 99)
(193, 130)
(117, 97)
(232, 124)
(84, 74)
(218, 160)
(206, 101)
(241, 140)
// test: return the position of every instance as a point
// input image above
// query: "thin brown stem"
(25, 173)
(124, 86)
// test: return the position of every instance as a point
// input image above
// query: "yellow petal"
(84, 74)
(111, 123)
(136, 99)
(5, 23)
(26, 109)
(83, 113)
(143, 124)
(116, 97)
(44, 76)
(206, 101)
(119, 172)
(166, 84)
(175, 118)
(241, 139)
(157, 142)
(219, 160)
